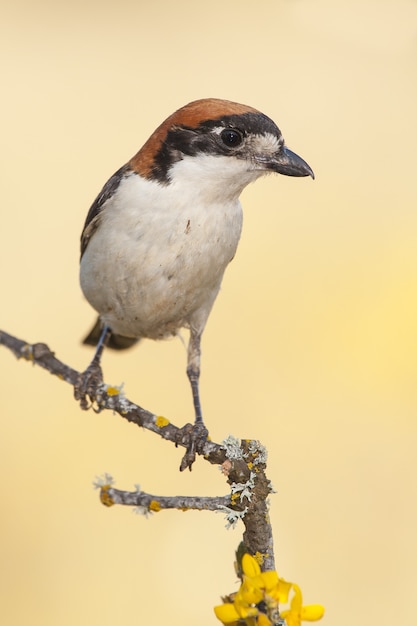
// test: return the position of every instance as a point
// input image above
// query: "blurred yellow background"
(311, 345)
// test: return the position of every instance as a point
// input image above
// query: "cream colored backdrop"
(311, 346)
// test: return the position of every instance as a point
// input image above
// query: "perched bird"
(160, 234)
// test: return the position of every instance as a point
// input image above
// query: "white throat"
(213, 179)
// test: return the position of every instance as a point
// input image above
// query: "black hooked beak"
(290, 164)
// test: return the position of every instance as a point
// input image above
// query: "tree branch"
(243, 462)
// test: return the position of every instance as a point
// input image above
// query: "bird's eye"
(231, 137)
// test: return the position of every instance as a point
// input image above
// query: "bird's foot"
(87, 385)
(192, 437)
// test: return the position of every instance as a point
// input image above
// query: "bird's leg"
(193, 374)
(193, 371)
(193, 436)
(102, 342)
(92, 377)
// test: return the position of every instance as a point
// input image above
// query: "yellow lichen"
(161, 422)
(112, 391)
(105, 497)
(154, 506)
(27, 352)
(234, 498)
(259, 557)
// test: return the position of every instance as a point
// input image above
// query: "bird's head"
(216, 144)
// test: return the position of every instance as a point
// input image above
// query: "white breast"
(157, 259)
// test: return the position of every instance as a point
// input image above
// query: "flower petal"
(248, 594)
(226, 613)
(246, 611)
(250, 566)
(263, 620)
(297, 600)
(282, 592)
(291, 618)
(312, 612)
(269, 579)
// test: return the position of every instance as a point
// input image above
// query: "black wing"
(94, 214)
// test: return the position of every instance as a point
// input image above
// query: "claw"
(90, 380)
(87, 385)
(192, 437)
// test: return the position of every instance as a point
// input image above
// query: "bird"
(159, 236)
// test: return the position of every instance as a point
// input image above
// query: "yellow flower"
(243, 607)
(256, 587)
(298, 613)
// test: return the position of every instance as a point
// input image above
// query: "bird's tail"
(116, 342)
